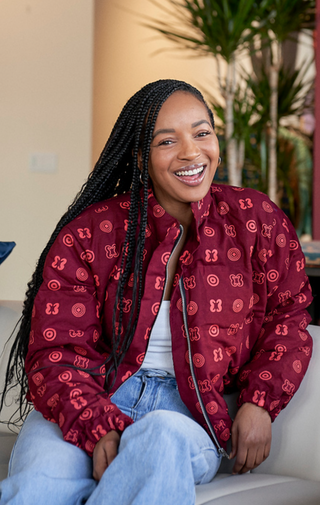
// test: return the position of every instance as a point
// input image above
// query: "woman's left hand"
(251, 437)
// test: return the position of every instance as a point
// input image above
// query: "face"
(184, 153)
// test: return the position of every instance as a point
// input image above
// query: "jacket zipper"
(164, 289)
(204, 413)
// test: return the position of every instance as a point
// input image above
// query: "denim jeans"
(161, 456)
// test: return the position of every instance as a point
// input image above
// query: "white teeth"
(190, 172)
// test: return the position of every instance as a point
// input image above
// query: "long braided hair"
(116, 172)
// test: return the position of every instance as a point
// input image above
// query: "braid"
(116, 172)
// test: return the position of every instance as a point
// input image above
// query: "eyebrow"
(172, 130)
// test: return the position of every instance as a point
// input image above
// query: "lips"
(192, 175)
(193, 170)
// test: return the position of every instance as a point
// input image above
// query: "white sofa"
(291, 474)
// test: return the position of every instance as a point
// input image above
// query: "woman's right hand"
(104, 453)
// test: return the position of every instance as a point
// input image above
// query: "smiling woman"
(184, 154)
(158, 292)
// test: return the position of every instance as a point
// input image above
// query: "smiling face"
(184, 154)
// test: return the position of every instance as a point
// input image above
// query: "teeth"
(190, 172)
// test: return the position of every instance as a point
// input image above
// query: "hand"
(251, 437)
(104, 453)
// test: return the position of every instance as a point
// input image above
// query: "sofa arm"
(295, 449)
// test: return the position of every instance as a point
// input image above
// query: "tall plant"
(224, 29)
(228, 29)
(285, 19)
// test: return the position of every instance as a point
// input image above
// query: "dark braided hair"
(116, 172)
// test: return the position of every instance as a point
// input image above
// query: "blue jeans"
(161, 456)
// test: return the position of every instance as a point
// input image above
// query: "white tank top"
(159, 353)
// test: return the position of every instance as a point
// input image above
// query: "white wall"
(46, 61)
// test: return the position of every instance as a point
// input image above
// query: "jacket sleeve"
(65, 370)
(281, 353)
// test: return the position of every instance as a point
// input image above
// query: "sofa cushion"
(258, 489)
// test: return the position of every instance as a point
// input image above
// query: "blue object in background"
(5, 250)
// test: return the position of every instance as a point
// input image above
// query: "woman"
(157, 293)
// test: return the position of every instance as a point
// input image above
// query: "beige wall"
(55, 55)
(46, 60)
(125, 60)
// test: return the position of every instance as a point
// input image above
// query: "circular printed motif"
(213, 280)
(273, 275)
(65, 376)
(281, 240)
(54, 285)
(267, 207)
(214, 330)
(297, 366)
(263, 255)
(237, 305)
(55, 356)
(106, 226)
(187, 357)
(192, 308)
(265, 376)
(223, 208)
(140, 358)
(95, 336)
(293, 244)
(179, 304)
(158, 211)
(251, 225)
(80, 350)
(49, 334)
(208, 231)
(302, 335)
(81, 274)
(78, 310)
(198, 360)
(68, 240)
(87, 256)
(234, 254)
(230, 350)
(212, 408)
(255, 298)
(198, 407)
(165, 258)
(86, 414)
(148, 231)
(155, 308)
(225, 435)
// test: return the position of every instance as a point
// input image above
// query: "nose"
(189, 150)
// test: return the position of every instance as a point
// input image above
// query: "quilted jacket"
(237, 314)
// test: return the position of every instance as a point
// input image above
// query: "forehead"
(182, 107)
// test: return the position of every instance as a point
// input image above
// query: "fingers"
(248, 459)
(251, 438)
(104, 453)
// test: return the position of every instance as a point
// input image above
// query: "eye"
(203, 133)
(166, 142)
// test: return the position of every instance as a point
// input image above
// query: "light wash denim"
(161, 456)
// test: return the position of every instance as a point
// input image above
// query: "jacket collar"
(200, 211)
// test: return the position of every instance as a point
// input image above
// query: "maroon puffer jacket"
(237, 312)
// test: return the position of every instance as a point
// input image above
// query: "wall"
(46, 59)
(127, 57)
